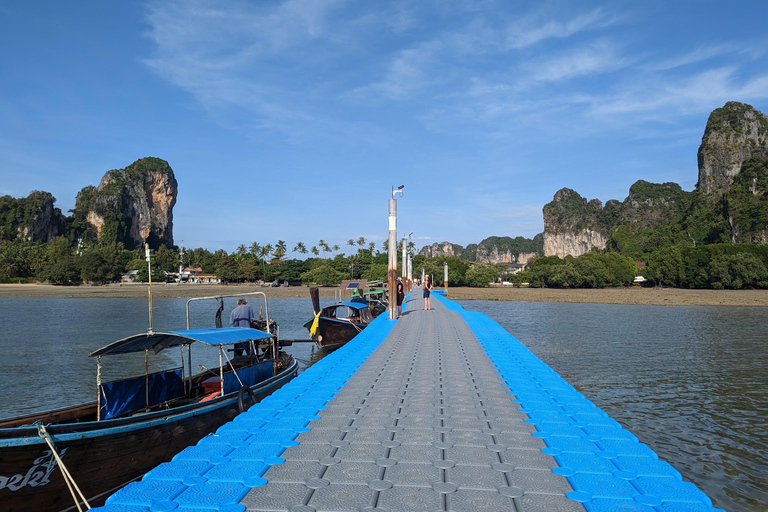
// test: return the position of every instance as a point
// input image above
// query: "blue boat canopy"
(353, 305)
(158, 341)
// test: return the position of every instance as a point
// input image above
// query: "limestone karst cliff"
(574, 226)
(441, 249)
(132, 205)
(494, 249)
(728, 205)
(734, 133)
(33, 218)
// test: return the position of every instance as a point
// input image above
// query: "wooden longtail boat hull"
(333, 333)
(106, 455)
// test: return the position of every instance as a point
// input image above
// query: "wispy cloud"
(598, 57)
(533, 30)
(700, 54)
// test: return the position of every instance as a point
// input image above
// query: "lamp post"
(409, 272)
(392, 253)
(404, 267)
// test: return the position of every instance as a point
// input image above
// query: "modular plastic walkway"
(441, 410)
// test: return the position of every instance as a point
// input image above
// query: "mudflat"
(633, 295)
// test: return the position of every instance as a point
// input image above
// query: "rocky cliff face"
(33, 217)
(734, 133)
(573, 244)
(441, 249)
(508, 250)
(133, 204)
(494, 249)
(573, 225)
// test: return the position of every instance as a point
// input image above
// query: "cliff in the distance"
(132, 205)
(494, 249)
(728, 205)
(734, 133)
(33, 218)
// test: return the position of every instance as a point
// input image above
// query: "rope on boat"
(233, 368)
(71, 485)
(218, 313)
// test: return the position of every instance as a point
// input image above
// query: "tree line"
(717, 266)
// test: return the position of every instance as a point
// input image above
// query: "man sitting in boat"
(241, 316)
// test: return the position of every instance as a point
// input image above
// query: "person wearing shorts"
(427, 290)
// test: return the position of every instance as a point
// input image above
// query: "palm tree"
(255, 249)
(265, 250)
(361, 242)
(324, 246)
(241, 250)
(315, 252)
(351, 243)
(300, 248)
(336, 248)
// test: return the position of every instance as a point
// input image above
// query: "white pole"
(392, 260)
(403, 269)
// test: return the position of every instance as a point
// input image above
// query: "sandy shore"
(634, 295)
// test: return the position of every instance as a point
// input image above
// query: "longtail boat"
(74, 458)
(335, 325)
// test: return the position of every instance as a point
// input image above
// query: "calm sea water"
(691, 382)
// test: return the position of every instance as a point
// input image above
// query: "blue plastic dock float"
(440, 410)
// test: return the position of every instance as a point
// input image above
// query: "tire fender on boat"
(240, 398)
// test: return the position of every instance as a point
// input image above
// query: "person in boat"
(400, 296)
(427, 290)
(241, 316)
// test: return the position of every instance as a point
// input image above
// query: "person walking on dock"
(427, 290)
(400, 296)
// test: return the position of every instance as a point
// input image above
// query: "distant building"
(196, 275)
(130, 277)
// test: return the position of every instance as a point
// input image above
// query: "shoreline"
(627, 296)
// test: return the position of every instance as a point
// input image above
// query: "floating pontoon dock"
(442, 410)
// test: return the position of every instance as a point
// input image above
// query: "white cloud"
(598, 57)
(700, 54)
(531, 30)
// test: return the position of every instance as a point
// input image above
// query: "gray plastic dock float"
(425, 424)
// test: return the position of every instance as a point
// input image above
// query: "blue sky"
(293, 119)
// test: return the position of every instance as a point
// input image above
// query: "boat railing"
(219, 297)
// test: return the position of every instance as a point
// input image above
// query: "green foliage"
(101, 264)
(457, 269)
(716, 266)
(18, 216)
(737, 271)
(730, 118)
(377, 272)
(747, 202)
(158, 275)
(483, 274)
(228, 269)
(166, 259)
(591, 270)
(61, 267)
(291, 270)
(21, 259)
(324, 275)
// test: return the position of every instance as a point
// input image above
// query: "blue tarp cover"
(158, 341)
(250, 376)
(129, 395)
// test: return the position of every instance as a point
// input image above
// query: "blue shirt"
(241, 316)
